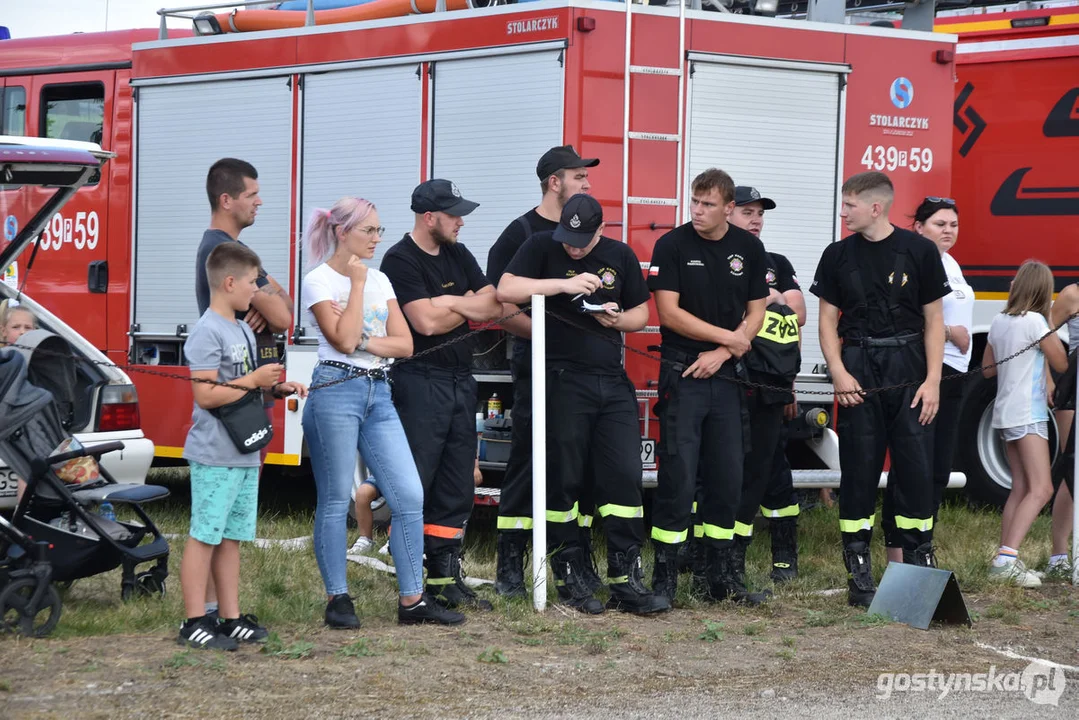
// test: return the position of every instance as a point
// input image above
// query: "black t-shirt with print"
(923, 281)
(416, 275)
(617, 267)
(780, 273)
(714, 279)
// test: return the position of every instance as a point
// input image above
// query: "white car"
(107, 408)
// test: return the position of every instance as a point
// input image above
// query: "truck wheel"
(980, 449)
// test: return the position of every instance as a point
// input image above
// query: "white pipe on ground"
(539, 453)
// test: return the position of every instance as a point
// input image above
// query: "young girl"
(357, 340)
(1021, 410)
(17, 322)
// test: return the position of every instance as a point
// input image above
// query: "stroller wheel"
(147, 584)
(17, 614)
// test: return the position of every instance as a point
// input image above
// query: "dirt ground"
(559, 664)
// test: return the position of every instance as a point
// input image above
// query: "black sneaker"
(426, 611)
(340, 613)
(245, 628)
(202, 633)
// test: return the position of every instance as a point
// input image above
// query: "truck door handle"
(97, 280)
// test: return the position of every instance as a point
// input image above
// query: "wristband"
(363, 342)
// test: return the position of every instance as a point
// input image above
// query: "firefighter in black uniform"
(708, 280)
(596, 288)
(774, 360)
(440, 287)
(562, 173)
(881, 324)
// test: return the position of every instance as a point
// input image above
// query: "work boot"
(445, 583)
(569, 579)
(589, 569)
(860, 586)
(924, 555)
(626, 581)
(509, 576)
(665, 572)
(737, 575)
(784, 550)
(698, 583)
(726, 578)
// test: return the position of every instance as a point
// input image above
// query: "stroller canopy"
(29, 422)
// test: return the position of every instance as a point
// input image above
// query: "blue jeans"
(337, 421)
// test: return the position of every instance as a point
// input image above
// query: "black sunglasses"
(942, 200)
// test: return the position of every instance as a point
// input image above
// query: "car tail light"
(119, 408)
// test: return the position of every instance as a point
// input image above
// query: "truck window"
(74, 112)
(13, 111)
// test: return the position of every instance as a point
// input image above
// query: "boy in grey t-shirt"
(224, 480)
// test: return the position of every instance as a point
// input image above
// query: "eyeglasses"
(944, 200)
(371, 230)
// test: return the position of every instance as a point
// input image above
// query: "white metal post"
(1075, 505)
(539, 453)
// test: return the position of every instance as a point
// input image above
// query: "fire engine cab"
(476, 95)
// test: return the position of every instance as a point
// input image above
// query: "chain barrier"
(764, 386)
(563, 319)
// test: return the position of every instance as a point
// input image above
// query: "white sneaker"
(1014, 572)
(385, 549)
(362, 546)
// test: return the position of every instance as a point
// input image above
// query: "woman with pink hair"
(360, 329)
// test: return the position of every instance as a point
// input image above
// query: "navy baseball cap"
(441, 196)
(561, 158)
(744, 195)
(581, 217)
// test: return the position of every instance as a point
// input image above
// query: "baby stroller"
(54, 535)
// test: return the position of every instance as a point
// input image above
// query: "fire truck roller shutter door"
(787, 141)
(182, 130)
(493, 116)
(380, 162)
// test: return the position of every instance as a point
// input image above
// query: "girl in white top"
(1021, 408)
(937, 219)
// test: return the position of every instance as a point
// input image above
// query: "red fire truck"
(372, 108)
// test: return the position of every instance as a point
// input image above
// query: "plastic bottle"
(494, 407)
(479, 424)
(106, 511)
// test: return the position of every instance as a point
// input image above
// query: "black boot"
(784, 549)
(923, 555)
(685, 556)
(860, 586)
(665, 572)
(573, 591)
(445, 584)
(589, 569)
(698, 583)
(737, 575)
(628, 592)
(509, 576)
(725, 574)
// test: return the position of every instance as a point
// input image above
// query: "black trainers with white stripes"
(203, 633)
(245, 628)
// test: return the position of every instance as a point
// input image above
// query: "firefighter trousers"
(765, 421)
(700, 434)
(437, 409)
(780, 500)
(515, 499)
(885, 422)
(593, 431)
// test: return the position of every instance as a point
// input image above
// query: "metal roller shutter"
(776, 129)
(362, 131)
(182, 130)
(493, 119)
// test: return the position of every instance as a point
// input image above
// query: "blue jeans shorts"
(224, 503)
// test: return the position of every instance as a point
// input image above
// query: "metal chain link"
(764, 386)
(177, 376)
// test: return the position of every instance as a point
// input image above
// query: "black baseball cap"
(744, 195)
(581, 217)
(560, 158)
(441, 196)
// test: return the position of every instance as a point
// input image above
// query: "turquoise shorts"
(224, 503)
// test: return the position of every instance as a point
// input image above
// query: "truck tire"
(980, 452)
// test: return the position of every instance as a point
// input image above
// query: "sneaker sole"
(188, 643)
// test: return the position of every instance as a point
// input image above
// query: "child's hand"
(267, 375)
(285, 389)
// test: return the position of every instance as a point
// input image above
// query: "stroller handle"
(95, 451)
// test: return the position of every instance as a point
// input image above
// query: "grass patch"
(753, 629)
(5, 686)
(713, 631)
(276, 647)
(361, 648)
(788, 641)
(492, 656)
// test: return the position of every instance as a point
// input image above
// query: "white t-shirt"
(1020, 381)
(324, 283)
(958, 310)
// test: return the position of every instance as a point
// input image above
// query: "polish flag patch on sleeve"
(653, 270)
